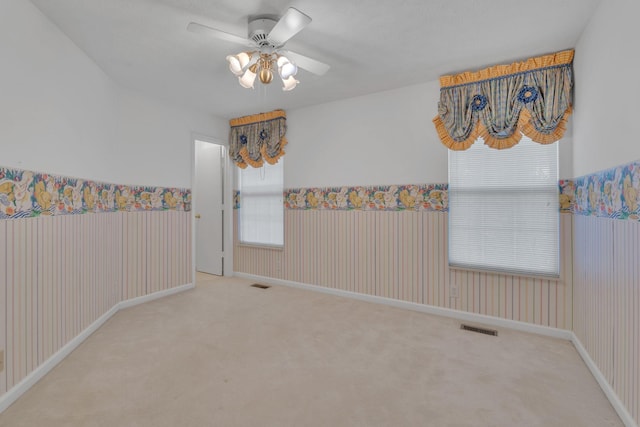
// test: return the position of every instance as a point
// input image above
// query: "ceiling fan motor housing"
(259, 28)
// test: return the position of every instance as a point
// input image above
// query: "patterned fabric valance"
(503, 102)
(254, 139)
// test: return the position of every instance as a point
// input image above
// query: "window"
(503, 208)
(261, 218)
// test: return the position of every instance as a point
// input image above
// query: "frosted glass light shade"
(286, 68)
(247, 79)
(290, 83)
(234, 65)
(244, 58)
(238, 62)
(282, 60)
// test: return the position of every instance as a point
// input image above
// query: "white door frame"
(227, 218)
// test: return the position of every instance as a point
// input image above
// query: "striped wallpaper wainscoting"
(58, 274)
(606, 265)
(262, 261)
(156, 252)
(400, 252)
(607, 301)
(403, 255)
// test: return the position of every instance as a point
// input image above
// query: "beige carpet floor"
(227, 354)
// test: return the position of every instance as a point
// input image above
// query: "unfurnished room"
(319, 213)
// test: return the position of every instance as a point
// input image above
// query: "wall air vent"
(479, 330)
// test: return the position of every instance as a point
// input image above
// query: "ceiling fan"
(267, 35)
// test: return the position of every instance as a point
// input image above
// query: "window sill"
(551, 277)
(261, 246)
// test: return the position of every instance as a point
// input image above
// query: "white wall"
(379, 139)
(57, 109)
(154, 145)
(606, 102)
(383, 138)
(59, 113)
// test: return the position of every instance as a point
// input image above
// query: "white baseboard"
(624, 415)
(27, 382)
(160, 294)
(440, 311)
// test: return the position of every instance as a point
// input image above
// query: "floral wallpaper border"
(424, 197)
(566, 189)
(611, 193)
(27, 194)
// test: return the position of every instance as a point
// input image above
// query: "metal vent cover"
(479, 330)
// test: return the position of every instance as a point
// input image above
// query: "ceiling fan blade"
(309, 64)
(218, 34)
(288, 26)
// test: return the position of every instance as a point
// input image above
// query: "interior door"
(209, 206)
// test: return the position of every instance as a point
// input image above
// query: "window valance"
(503, 102)
(256, 138)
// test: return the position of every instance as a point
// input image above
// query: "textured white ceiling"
(370, 45)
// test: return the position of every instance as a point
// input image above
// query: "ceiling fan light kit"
(242, 66)
(267, 35)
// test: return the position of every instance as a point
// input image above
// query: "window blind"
(503, 208)
(261, 213)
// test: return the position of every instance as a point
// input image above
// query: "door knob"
(197, 216)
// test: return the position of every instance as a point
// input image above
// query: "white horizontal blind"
(503, 208)
(261, 216)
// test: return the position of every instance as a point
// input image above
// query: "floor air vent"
(258, 285)
(479, 330)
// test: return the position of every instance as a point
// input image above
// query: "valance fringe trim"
(257, 118)
(244, 153)
(449, 142)
(555, 59)
(527, 128)
(273, 160)
(498, 143)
